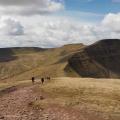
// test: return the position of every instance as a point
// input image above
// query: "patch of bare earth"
(17, 105)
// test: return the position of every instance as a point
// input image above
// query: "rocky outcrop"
(101, 59)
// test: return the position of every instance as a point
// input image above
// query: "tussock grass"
(98, 94)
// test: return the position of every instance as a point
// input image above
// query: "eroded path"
(15, 106)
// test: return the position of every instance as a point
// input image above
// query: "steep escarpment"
(101, 59)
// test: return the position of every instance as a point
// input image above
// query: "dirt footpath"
(15, 106)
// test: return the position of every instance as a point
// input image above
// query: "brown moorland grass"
(85, 94)
(94, 94)
(31, 63)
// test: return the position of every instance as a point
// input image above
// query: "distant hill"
(23, 63)
(9, 54)
(99, 60)
(18, 50)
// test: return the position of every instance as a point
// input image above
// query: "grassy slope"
(100, 95)
(86, 94)
(96, 95)
(37, 63)
(90, 94)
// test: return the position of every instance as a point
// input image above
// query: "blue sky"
(89, 10)
(94, 6)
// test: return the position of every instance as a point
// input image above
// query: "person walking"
(33, 80)
(42, 80)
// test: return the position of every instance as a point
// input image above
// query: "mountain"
(99, 60)
(9, 54)
(23, 63)
(76, 98)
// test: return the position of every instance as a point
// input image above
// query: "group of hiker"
(42, 79)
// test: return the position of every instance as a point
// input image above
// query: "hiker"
(48, 78)
(33, 80)
(42, 80)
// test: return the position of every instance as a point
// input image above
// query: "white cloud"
(45, 32)
(28, 7)
(112, 21)
(53, 31)
(10, 27)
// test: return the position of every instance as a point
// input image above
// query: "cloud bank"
(21, 28)
(56, 31)
(28, 7)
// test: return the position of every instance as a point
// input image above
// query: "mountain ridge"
(77, 60)
(27, 63)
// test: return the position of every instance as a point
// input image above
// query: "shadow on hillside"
(107, 54)
(7, 55)
(7, 58)
(100, 60)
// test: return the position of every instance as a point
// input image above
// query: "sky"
(53, 23)
(93, 6)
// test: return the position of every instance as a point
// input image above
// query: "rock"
(1, 117)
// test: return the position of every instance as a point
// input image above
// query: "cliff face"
(101, 59)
